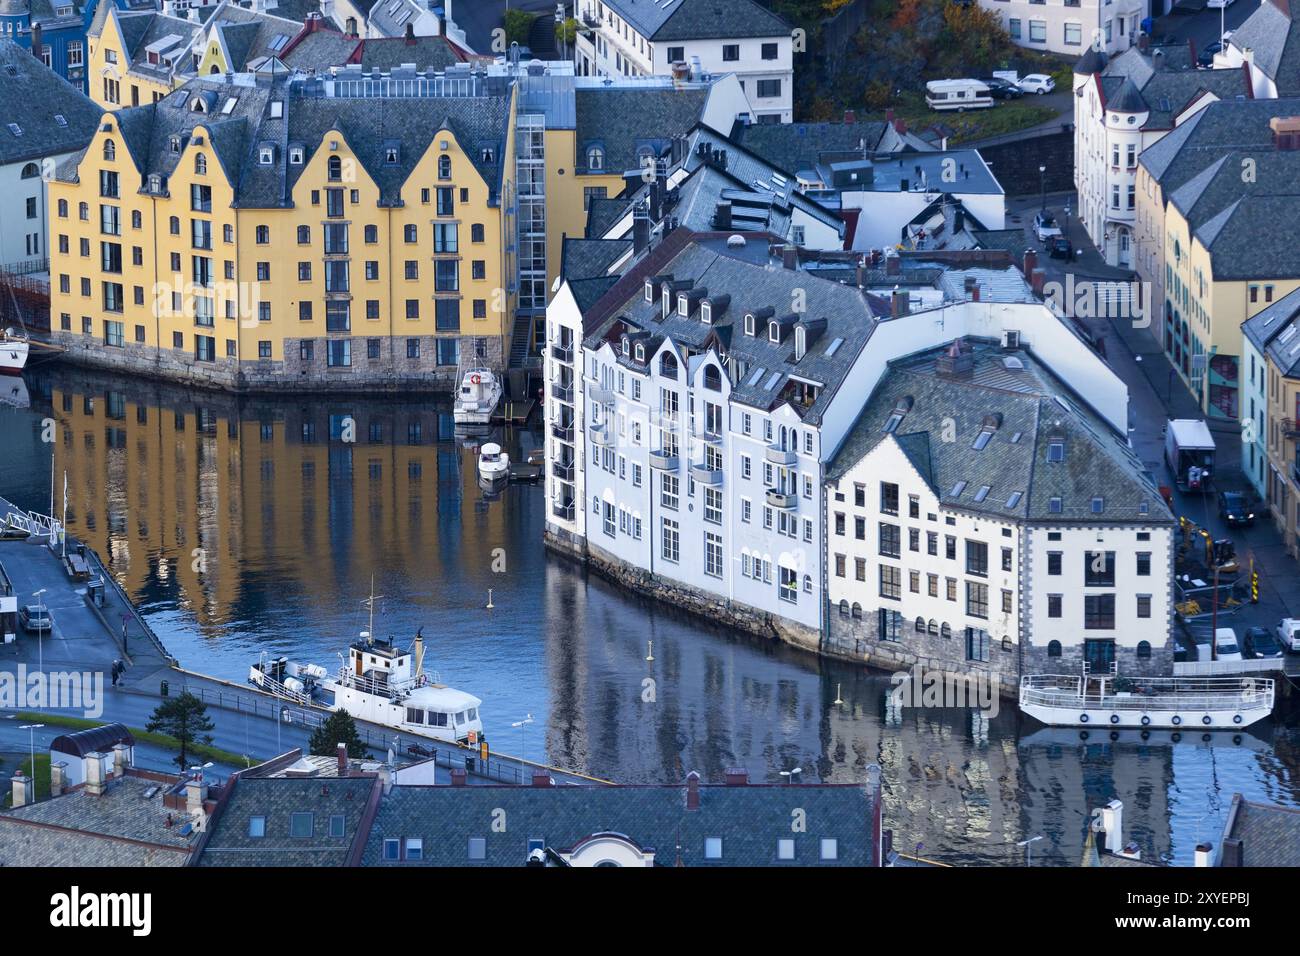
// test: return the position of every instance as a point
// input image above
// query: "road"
(1204, 27)
(478, 18)
(1156, 395)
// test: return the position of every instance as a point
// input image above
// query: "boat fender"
(1083, 718)
(1146, 721)
(1176, 720)
(1236, 718)
(1114, 718)
(1206, 720)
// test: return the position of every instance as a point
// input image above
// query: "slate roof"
(602, 214)
(427, 53)
(661, 20)
(250, 36)
(591, 258)
(368, 124)
(748, 819)
(122, 827)
(1269, 835)
(752, 287)
(626, 120)
(1165, 80)
(1030, 402)
(320, 49)
(1275, 331)
(33, 96)
(795, 146)
(1270, 32)
(277, 798)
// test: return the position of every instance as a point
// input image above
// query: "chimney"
(196, 793)
(850, 117)
(1204, 855)
(1031, 262)
(956, 360)
(790, 256)
(410, 34)
(969, 284)
(120, 761)
(94, 764)
(975, 292)
(22, 793)
(722, 216)
(893, 264)
(389, 776)
(654, 194)
(1233, 853)
(542, 779)
(860, 275)
(737, 777)
(899, 303)
(36, 40)
(341, 755)
(692, 791)
(458, 777)
(1036, 281)
(58, 778)
(1286, 132)
(640, 230)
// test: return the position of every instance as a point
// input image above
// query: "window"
(1037, 31)
(256, 827)
(769, 51)
(891, 582)
(768, 89)
(1144, 563)
(789, 585)
(1073, 34)
(888, 498)
(713, 848)
(890, 543)
(338, 825)
(1144, 605)
(977, 644)
(730, 52)
(300, 824)
(977, 558)
(1053, 605)
(477, 848)
(1054, 562)
(977, 599)
(1013, 28)
(1099, 612)
(1099, 569)
(671, 541)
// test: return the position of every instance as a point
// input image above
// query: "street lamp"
(31, 741)
(1028, 845)
(1042, 185)
(523, 738)
(40, 644)
(792, 775)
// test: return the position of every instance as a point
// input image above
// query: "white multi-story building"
(43, 121)
(1072, 26)
(663, 37)
(697, 393)
(983, 518)
(1122, 106)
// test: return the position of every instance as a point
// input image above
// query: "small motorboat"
(14, 348)
(493, 463)
(478, 397)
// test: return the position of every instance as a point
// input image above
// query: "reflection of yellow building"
(165, 483)
(266, 230)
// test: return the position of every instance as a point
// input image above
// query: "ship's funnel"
(419, 652)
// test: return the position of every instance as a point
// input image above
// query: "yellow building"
(268, 231)
(1229, 251)
(138, 57)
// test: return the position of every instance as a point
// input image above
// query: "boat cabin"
(380, 664)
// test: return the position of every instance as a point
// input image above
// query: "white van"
(1226, 647)
(959, 95)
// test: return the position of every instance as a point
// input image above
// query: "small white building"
(669, 37)
(43, 121)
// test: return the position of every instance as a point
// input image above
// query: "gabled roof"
(661, 20)
(625, 121)
(1275, 332)
(1167, 79)
(1271, 35)
(796, 146)
(41, 114)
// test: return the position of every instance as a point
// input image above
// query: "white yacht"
(493, 463)
(14, 349)
(382, 684)
(480, 392)
(1106, 701)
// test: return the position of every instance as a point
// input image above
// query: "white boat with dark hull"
(14, 349)
(379, 683)
(493, 463)
(1157, 703)
(478, 397)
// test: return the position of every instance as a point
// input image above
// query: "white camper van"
(959, 95)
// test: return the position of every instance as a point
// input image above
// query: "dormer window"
(390, 156)
(175, 144)
(649, 291)
(295, 155)
(749, 324)
(990, 425)
(595, 159)
(487, 156)
(896, 417)
(1056, 450)
(773, 332)
(266, 155)
(683, 305)
(625, 345)
(800, 338)
(667, 300)
(640, 352)
(706, 313)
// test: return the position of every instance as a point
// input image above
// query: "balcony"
(600, 393)
(709, 438)
(562, 511)
(562, 353)
(706, 476)
(784, 500)
(1290, 429)
(602, 435)
(781, 456)
(663, 460)
(562, 432)
(563, 470)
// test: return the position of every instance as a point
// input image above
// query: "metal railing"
(1150, 694)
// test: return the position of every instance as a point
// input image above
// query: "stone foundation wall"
(391, 371)
(1159, 664)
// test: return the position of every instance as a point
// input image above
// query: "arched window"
(31, 171)
(933, 627)
(63, 209)
(945, 629)
(83, 210)
(1144, 650)
(1053, 648)
(110, 149)
(444, 167)
(920, 625)
(174, 224)
(214, 69)
(807, 584)
(1006, 642)
(857, 610)
(712, 378)
(335, 169)
(200, 165)
(667, 366)
(595, 158)
(844, 608)
(304, 235)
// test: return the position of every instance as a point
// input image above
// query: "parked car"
(1258, 643)
(1001, 89)
(1039, 83)
(1225, 645)
(1045, 226)
(1058, 247)
(1206, 56)
(1215, 4)
(1235, 509)
(1288, 633)
(35, 618)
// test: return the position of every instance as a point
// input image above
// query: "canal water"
(244, 526)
